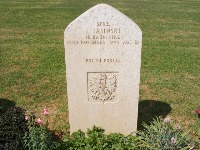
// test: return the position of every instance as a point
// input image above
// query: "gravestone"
(103, 58)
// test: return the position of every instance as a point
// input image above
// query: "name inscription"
(103, 33)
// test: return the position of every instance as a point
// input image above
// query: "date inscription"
(103, 33)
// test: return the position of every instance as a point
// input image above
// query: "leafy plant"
(95, 139)
(196, 128)
(162, 135)
(12, 128)
(38, 137)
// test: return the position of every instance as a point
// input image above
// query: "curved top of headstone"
(103, 12)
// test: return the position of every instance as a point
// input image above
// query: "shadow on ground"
(9, 110)
(149, 109)
(5, 103)
(12, 125)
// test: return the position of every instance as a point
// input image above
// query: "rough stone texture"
(103, 57)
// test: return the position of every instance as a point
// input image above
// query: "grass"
(32, 67)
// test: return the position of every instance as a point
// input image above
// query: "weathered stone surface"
(103, 57)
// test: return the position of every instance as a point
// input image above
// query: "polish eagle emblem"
(103, 86)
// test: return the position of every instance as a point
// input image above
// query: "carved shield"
(102, 86)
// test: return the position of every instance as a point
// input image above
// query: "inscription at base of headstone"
(103, 58)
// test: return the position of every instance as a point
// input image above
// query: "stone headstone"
(103, 58)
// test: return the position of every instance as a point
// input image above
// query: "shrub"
(38, 137)
(12, 128)
(196, 129)
(162, 135)
(95, 139)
